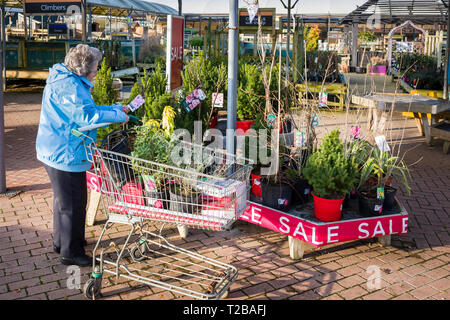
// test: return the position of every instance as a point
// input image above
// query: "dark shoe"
(82, 261)
(58, 249)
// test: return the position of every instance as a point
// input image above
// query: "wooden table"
(380, 105)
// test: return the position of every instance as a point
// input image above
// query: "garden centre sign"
(246, 24)
(174, 51)
(52, 7)
(320, 233)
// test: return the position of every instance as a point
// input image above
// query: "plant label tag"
(382, 144)
(149, 182)
(323, 100)
(193, 99)
(271, 119)
(380, 193)
(378, 208)
(315, 120)
(136, 103)
(217, 99)
(300, 138)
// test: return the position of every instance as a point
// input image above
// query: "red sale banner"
(175, 48)
(92, 181)
(322, 233)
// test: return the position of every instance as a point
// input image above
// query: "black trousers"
(69, 210)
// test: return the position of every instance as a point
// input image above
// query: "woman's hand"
(126, 109)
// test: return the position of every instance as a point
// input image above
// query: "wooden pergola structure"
(397, 12)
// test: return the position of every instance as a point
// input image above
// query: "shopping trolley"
(210, 194)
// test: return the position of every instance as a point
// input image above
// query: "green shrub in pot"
(332, 174)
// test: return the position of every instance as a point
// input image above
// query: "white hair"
(81, 59)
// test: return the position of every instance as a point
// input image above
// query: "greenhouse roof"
(118, 7)
(425, 12)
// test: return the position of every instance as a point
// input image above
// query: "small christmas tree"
(331, 173)
(103, 93)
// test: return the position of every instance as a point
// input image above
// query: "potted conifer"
(332, 174)
(249, 96)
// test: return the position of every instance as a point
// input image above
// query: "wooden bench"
(442, 131)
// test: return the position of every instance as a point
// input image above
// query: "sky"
(303, 6)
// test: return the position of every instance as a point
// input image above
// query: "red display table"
(301, 227)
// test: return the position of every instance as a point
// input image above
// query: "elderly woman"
(67, 104)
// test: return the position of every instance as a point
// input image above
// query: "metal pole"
(288, 41)
(83, 21)
(90, 23)
(3, 69)
(447, 49)
(2, 129)
(233, 47)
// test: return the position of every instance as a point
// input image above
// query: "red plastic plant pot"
(256, 185)
(244, 126)
(214, 121)
(327, 210)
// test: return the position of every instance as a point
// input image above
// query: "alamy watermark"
(374, 279)
(199, 148)
(74, 279)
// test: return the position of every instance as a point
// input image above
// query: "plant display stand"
(303, 230)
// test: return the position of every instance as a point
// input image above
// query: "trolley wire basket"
(210, 194)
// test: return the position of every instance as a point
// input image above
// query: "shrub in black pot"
(352, 195)
(369, 204)
(300, 187)
(389, 198)
(158, 199)
(276, 194)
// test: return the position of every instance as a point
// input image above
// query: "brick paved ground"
(415, 266)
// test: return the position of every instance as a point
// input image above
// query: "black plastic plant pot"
(370, 207)
(352, 195)
(186, 204)
(159, 200)
(301, 191)
(389, 198)
(276, 196)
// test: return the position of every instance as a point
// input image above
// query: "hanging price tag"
(193, 99)
(300, 138)
(315, 121)
(271, 119)
(355, 132)
(382, 144)
(323, 100)
(217, 100)
(380, 193)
